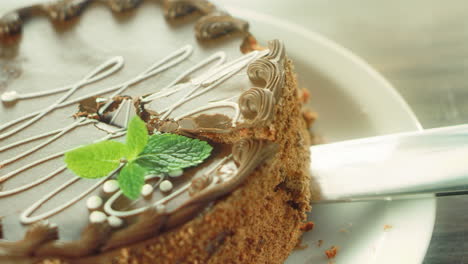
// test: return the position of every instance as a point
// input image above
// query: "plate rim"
(324, 41)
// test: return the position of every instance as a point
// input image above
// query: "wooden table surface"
(421, 47)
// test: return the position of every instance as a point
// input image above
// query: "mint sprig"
(140, 155)
(131, 179)
(137, 137)
(96, 160)
(169, 152)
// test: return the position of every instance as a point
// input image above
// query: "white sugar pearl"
(114, 221)
(165, 186)
(97, 217)
(147, 190)
(110, 186)
(176, 173)
(10, 96)
(94, 202)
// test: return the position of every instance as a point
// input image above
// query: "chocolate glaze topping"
(188, 90)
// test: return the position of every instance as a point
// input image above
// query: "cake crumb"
(309, 117)
(306, 227)
(387, 227)
(250, 44)
(332, 252)
(319, 243)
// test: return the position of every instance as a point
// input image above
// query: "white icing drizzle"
(216, 74)
(110, 211)
(61, 133)
(104, 70)
(24, 141)
(10, 96)
(219, 58)
(37, 162)
(25, 167)
(32, 184)
(210, 80)
(107, 68)
(25, 217)
(160, 66)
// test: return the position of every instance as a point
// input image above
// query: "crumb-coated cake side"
(223, 166)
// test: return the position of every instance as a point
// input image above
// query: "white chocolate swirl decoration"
(257, 105)
(268, 71)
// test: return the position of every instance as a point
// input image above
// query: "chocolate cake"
(76, 72)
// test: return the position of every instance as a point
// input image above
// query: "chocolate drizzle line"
(213, 25)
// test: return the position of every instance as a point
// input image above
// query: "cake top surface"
(84, 78)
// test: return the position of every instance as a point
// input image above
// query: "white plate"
(353, 100)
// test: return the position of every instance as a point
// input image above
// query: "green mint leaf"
(95, 160)
(137, 137)
(131, 179)
(169, 152)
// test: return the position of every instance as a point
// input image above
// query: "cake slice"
(106, 63)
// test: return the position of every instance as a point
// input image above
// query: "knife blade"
(426, 163)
